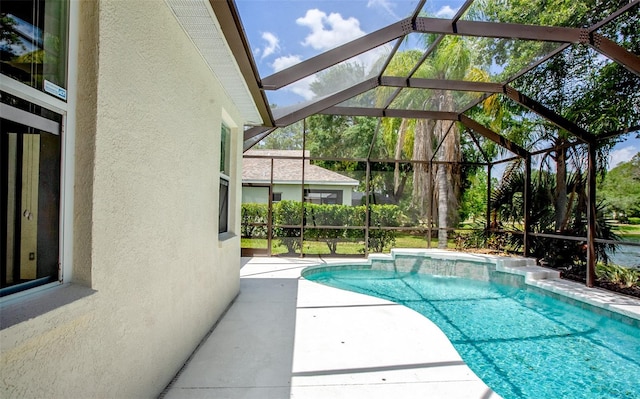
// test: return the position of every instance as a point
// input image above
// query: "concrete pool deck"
(286, 337)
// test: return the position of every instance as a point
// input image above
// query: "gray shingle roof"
(288, 170)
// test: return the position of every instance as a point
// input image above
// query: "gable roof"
(256, 168)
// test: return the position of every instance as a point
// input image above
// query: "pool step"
(529, 271)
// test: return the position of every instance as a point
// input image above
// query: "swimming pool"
(519, 341)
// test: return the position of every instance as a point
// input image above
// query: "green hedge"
(334, 215)
(250, 215)
(289, 213)
(383, 216)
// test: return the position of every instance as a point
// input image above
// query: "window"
(318, 196)
(225, 166)
(30, 157)
(277, 197)
(33, 44)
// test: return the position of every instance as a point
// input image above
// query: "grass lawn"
(403, 240)
(627, 232)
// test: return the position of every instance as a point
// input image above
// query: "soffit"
(199, 21)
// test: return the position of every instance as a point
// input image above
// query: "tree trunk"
(561, 188)
(441, 179)
(422, 178)
(398, 154)
(446, 176)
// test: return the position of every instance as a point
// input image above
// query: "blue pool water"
(520, 343)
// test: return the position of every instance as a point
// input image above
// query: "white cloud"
(620, 155)
(371, 58)
(446, 12)
(301, 87)
(385, 5)
(272, 45)
(328, 31)
(285, 62)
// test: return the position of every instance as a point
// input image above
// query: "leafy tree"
(284, 138)
(620, 189)
(8, 35)
(338, 77)
(427, 140)
(598, 95)
(333, 136)
(474, 199)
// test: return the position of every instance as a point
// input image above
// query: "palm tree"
(507, 207)
(428, 140)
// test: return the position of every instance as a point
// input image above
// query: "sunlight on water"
(521, 343)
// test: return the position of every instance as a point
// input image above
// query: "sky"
(282, 33)
(624, 151)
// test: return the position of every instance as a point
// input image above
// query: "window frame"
(67, 109)
(41, 37)
(33, 125)
(322, 200)
(224, 179)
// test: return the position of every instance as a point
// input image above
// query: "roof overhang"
(212, 26)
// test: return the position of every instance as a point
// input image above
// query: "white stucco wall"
(152, 276)
(291, 192)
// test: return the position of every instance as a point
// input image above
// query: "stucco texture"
(147, 205)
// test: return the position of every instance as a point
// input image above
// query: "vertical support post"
(488, 224)
(527, 204)
(304, 146)
(270, 212)
(591, 216)
(430, 214)
(367, 213)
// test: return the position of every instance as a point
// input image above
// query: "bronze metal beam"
(336, 55)
(608, 135)
(390, 113)
(249, 143)
(255, 131)
(615, 52)
(500, 30)
(321, 105)
(493, 136)
(548, 114)
(441, 84)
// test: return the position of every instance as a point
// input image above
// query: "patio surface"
(286, 337)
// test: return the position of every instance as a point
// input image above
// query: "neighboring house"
(321, 186)
(121, 243)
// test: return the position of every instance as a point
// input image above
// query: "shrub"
(333, 215)
(383, 216)
(287, 214)
(250, 215)
(620, 275)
